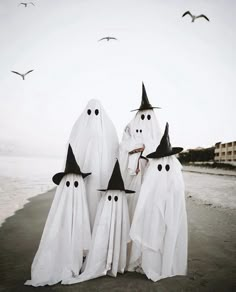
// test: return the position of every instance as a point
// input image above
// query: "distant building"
(225, 152)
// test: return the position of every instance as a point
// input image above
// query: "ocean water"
(22, 178)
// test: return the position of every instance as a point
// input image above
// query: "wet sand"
(211, 264)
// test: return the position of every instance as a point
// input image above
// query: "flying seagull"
(194, 16)
(26, 4)
(108, 39)
(22, 75)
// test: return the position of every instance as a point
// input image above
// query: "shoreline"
(186, 168)
(28, 200)
(211, 262)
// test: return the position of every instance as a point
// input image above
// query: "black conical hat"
(164, 148)
(145, 104)
(71, 167)
(116, 182)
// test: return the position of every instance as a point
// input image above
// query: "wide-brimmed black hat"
(116, 182)
(145, 104)
(71, 167)
(164, 148)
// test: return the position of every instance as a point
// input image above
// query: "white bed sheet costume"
(142, 132)
(95, 144)
(66, 236)
(159, 226)
(108, 252)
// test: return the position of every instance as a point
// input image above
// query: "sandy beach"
(211, 263)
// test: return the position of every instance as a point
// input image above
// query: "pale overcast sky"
(188, 68)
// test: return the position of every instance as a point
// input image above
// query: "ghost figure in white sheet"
(66, 236)
(95, 144)
(159, 227)
(108, 252)
(140, 137)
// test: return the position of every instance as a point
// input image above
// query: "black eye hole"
(136, 130)
(142, 116)
(167, 167)
(67, 183)
(159, 167)
(96, 112)
(76, 184)
(116, 198)
(109, 198)
(89, 112)
(140, 131)
(148, 117)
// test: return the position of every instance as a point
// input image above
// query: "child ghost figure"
(140, 137)
(110, 236)
(95, 144)
(159, 227)
(144, 127)
(66, 236)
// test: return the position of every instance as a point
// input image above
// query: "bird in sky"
(108, 38)
(26, 4)
(22, 75)
(195, 16)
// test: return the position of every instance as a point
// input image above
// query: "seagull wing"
(102, 39)
(21, 4)
(187, 13)
(111, 38)
(204, 16)
(31, 3)
(16, 73)
(28, 72)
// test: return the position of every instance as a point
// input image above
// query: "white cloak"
(159, 227)
(108, 251)
(143, 130)
(66, 235)
(95, 145)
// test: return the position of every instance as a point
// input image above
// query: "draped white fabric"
(108, 251)
(143, 130)
(66, 235)
(95, 145)
(159, 227)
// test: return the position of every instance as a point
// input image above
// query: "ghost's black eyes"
(96, 112)
(140, 131)
(76, 184)
(142, 116)
(159, 167)
(89, 112)
(116, 198)
(167, 167)
(109, 198)
(136, 130)
(67, 183)
(148, 117)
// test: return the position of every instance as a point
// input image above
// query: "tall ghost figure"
(66, 236)
(95, 144)
(159, 226)
(110, 236)
(140, 137)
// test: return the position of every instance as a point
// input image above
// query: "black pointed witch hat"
(116, 182)
(145, 104)
(164, 148)
(71, 167)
